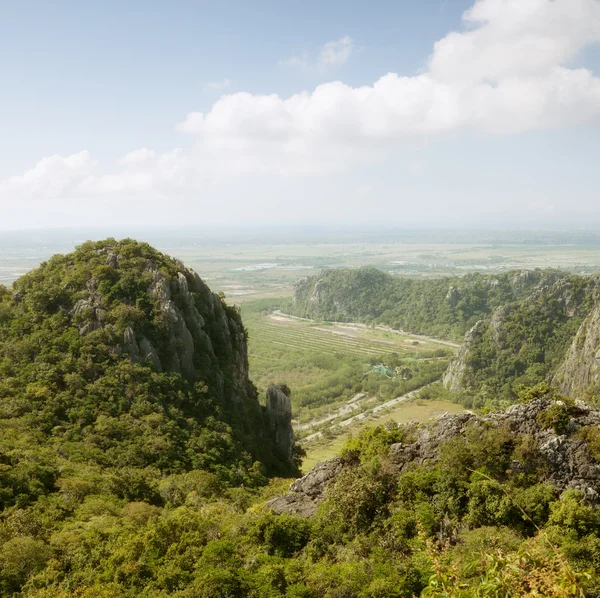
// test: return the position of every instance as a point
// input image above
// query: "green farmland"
(325, 364)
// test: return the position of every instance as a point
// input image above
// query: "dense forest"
(137, 460)
(444, 307)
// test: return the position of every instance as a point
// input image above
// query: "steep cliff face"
(563, 460)
(525, 341)
(580, 370)
(454, 375)
(279, 413)
(117, 329)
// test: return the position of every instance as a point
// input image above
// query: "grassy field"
(337, 338)
(416, 410)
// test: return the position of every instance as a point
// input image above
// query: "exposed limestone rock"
(148, 353)
(91, 309)
(130, 344)
(567, 459)
(497, 321)
(581, 367)
(567, 462)
(521, 281)
(112, 259)
(307, 492)
(458, 366)
(279, 412)
(184, 321)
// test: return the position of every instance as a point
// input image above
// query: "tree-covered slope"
(119, 358)
(464, 507)
(516, 327)
(446, 307)
(526, 341)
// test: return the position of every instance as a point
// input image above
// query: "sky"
(193, 113)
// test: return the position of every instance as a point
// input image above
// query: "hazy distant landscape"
(265, 262)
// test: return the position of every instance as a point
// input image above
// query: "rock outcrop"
(279, 413)
(196, 327)
(580, 369)
(309, 491)
(567, 461)
(453, 378)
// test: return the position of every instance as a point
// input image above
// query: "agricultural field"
(327, 364)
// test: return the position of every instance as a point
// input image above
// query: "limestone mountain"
(117, 356)
(516, 327)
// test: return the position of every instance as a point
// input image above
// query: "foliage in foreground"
(469, 526)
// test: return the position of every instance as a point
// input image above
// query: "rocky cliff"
(279, 413)
(454, 375)
(563, 460)
(140, 333)
(580, 370)
(525, 341)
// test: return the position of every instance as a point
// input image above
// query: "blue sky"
(156, 112)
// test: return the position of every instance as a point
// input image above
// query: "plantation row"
(311, 338)
(322, 348)
(328, 339)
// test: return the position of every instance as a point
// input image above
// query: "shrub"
(556, 417)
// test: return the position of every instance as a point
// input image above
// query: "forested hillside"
(526, 342)
(444, 307)
(517, 327)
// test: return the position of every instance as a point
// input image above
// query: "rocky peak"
(567, 461)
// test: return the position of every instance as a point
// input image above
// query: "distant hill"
(516, 326)
(446, 307)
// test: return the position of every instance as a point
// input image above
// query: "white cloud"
(301, 61)
(220, 85)
(140, 156)
(337, 52)
(507, 72)
(515, 39)
(332, 54)
(52, 176)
